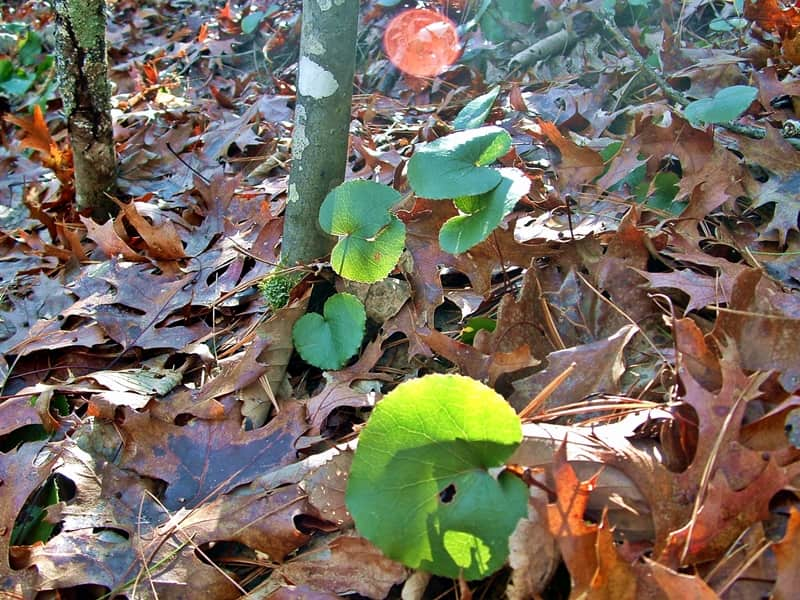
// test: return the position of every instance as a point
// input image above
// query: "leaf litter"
(160, 435)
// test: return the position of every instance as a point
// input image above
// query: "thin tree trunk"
(321, 125)
(82, 67)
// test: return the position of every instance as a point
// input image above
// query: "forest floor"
(159, 437)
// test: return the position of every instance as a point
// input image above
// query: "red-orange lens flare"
(421, 42)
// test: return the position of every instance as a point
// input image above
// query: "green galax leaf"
(454, 165)
(371, 238)
(495, 22)
(327, 341)
(475, 112)
(419, 486)
(251, 22)
(728, 104)
(483, 213)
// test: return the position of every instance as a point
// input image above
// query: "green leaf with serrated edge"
(419, 486)
(327, 341)
(484, 213)
(454, 165)
(371, 238)
(475, 112)
(728, 104)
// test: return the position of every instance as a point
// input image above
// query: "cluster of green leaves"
(420, 487)
(455, 167)
(27, 64)
(371, 238)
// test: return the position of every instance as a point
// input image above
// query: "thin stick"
(548, 390)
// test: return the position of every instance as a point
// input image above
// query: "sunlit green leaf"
(327, 341)
(420, 487)
(454, 165)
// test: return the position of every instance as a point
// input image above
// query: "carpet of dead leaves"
(652, 346)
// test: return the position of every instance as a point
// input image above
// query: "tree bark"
(82, 67)
(321, 124)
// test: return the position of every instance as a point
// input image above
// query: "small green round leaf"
(475, 112)
(328, 341)
(251, 22)
(728, 104)
(419, 487)
(483, 213)
(371, 238)
(454, 165)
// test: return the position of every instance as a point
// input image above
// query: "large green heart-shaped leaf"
(728, 104)
(328, 341)
(483, 213)
(475, 112)
(420, 488)
(371, 238)
(454, 165)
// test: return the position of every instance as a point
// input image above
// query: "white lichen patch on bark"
(293, 195)
(299, 139)
(313, 46)
(315, 81)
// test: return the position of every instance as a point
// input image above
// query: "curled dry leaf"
(343, 565)
(533, 555)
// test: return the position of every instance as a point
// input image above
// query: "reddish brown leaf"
(36, 135)
(695, 355)
(422, 240)
(521, 321)
(703, 290)
(207, 458)
(345, 564)
(788, 559)
(579, 165)
(615, 579)
(599, 366)
(717, 181)
(653, 141)
(326, 487)
(338, 390)
(120, 545)
(109, 241)
(163, 242)
(724, 514)
(764, 323)
(21, 472)
(575, 537)
(774, 15)
(678, 585)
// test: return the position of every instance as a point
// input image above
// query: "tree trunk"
(321, 124)
(82, 68)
